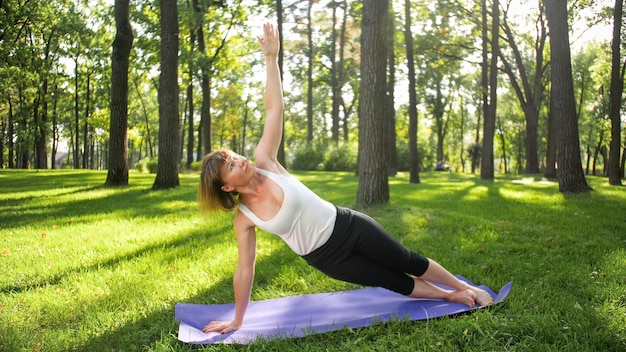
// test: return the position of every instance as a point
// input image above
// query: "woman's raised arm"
(267, 150)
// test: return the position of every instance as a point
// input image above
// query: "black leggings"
(361, 251)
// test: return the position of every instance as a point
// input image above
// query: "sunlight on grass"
(475, 194)
(90, 268)
(610, 278)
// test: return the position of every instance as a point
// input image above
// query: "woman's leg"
(361, 251)
(438, 274)
(379, 246)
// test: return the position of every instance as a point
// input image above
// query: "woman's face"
(235, 172)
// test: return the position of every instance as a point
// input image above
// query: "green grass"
(88, 268)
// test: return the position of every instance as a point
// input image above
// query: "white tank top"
(304, 221)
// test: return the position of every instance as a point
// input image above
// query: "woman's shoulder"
(241, 220)
(275, 168)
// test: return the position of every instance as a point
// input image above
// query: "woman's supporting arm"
(243, 278)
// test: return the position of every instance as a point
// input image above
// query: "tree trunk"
(205, 86)
(341, 72)
(10, 133)
(597, 151)
(503, 143)
(118, 142)
(441, 121)
(373, 186)
(190, 100)
(190, 124)
(531, 140)
(570, 172)
(86, 125)
(528, 87)
(167, 168)
(76, 101)
(414, 176)
(550, 171)
(334, 83)
(390, 110)
(39, 134)
(279, 26)
(2, 138)
(486, 169)
(617, 88)
(309, 76)
(475, 150)
(623, 162)
(149, 149)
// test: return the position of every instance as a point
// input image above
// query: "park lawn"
(89, 268)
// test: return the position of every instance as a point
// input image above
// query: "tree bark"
(550, 171)
(41, 135)
(570, 172)
(279, 25)
(204, 140)
(390, 110)
(190, 124)
(341, 71)
(118, 141)
(10, 133)
(528, 88)
(373, 186)
(167, 168)
(487, 167)
(76, 101)
(309, 76)
(334, 82)
(86, 124)
(414, 176)
(617, 88)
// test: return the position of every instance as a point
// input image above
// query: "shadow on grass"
(114, 261)
(521, 237)
(159, 327)
(26, 208)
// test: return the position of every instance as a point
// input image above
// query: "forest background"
(55, 74)
(100, 268)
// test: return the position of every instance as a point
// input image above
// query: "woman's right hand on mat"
(224, 327)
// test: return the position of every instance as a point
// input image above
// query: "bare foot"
(466, 297)
(483, 298)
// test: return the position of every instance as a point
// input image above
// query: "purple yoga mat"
(298, 316)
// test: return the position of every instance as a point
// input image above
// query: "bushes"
(307, 158)
(324, 158)
(147, 165)
(340, 159)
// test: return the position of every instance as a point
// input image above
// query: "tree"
(617, 88)
(334, 79)
(279, 25)
(528, 85)
(309, 75)
(552, 137)
(211, 44)
(413, 151)
(390, 110)
(570, 172)
(373, 186)
(443, 41)
(118, 143)
(490, 108)
(167, 168)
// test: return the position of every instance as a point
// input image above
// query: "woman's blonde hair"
(210, 194)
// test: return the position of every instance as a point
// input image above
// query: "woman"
(342, 243)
